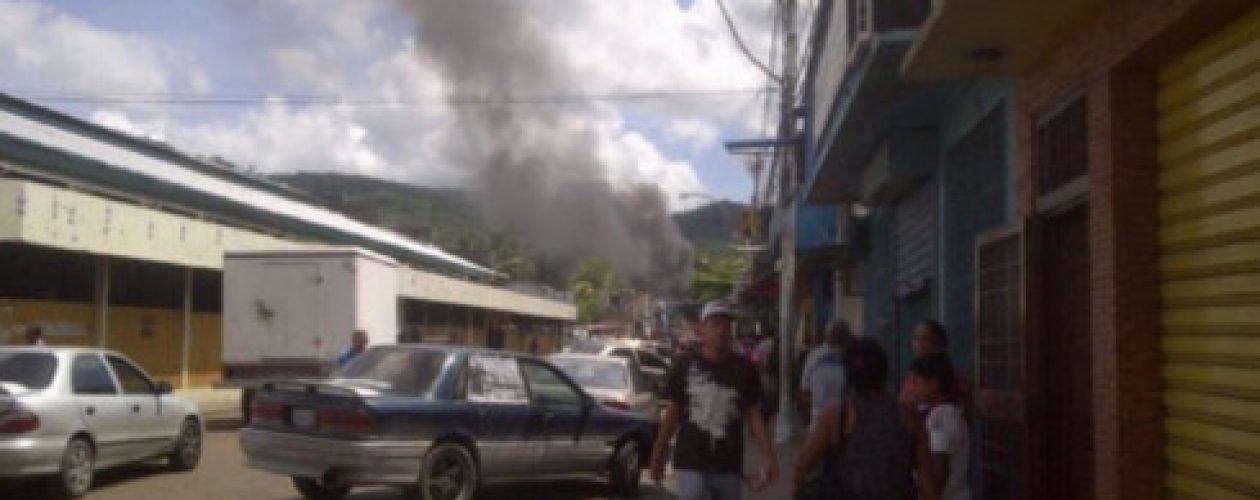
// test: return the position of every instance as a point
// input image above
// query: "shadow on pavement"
(558, 490)
(42, 489)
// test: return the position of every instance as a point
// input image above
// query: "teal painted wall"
(976, 195)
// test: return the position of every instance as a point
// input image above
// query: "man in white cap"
(709, 395)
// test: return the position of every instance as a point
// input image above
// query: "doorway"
(1064, 387)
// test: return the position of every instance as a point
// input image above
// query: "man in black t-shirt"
(709, 395)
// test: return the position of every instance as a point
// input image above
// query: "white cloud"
(699, 133)
(55, 53)
(363, 50)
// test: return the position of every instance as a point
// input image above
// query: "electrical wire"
(739, 40)
(341, 100)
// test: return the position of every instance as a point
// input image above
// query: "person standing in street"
(358, 344)
(709, 397)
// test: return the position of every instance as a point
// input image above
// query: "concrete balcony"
(992, 38)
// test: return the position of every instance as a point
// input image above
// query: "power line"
(739, 40)
(341, 100)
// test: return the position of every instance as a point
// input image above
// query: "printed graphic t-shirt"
(713, 397)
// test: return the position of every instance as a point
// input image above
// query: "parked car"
(649, 361)
(440, 421)
(615, 382)
(66, 413)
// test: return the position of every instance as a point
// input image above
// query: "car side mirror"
(164, 388)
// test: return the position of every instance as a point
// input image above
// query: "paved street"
(223, 475)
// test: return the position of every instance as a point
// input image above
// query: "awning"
(986, 38)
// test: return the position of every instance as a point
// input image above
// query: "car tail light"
(18, 420)
(351, 422)
(266, 411)
(617, 404)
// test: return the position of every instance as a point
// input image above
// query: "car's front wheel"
(78, 464)
(624, 470)
(449, 473)
(187, 452)
(313, 489)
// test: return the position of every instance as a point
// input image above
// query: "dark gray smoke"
(535, 167)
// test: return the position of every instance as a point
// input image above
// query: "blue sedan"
(440, 422)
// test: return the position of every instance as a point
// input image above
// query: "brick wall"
(1113, 60)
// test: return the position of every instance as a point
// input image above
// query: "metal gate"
(1209, 216)
(1001, 365)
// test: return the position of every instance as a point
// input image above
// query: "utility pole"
(785, 425)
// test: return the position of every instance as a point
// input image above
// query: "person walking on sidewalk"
(937, 391)
(880, 447)
(822, 378)
(930, 339)
(709, 396)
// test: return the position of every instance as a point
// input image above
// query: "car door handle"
(91, 410)
(135, 408)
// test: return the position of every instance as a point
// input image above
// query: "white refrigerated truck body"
(290, 311)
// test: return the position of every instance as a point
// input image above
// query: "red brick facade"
(1114, 62)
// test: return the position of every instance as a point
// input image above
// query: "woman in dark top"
(878, 445)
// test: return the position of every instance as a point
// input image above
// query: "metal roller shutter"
(1209, 213)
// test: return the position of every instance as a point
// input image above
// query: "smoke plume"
(534, 166)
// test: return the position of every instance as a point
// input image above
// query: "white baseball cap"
(716, 308)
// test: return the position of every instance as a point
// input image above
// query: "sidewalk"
(221, 407)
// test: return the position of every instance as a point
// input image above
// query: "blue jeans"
(696, 485)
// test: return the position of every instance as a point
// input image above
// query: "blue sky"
(365, 50)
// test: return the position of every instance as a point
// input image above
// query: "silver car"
(67, 412)
(652, 365)
(613, 381)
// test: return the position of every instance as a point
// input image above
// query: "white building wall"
(422, 285)
(71, 220)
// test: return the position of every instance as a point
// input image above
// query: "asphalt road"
(222, 475)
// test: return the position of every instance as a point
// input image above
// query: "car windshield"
(586, 348)
(402, 370)
(33, 370)
(594, 373)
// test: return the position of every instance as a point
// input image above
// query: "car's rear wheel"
(624, 470)
(78, 465)
(449, 473)
(313, 489)
(187, 452)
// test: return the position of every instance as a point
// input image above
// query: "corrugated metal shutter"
(1209, 209)
(916, 237)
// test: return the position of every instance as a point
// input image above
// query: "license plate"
(303, 417)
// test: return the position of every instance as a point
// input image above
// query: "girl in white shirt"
(936, 389)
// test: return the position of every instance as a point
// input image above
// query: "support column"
(188, 333)
(101, 300)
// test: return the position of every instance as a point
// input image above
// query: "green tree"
(717, 270)
(592, 283)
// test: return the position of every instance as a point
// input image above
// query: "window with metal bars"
(1062, 148)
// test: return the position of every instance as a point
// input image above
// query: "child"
(936, 390)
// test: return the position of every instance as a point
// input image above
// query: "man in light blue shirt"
(358, 344)
(822, 379)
